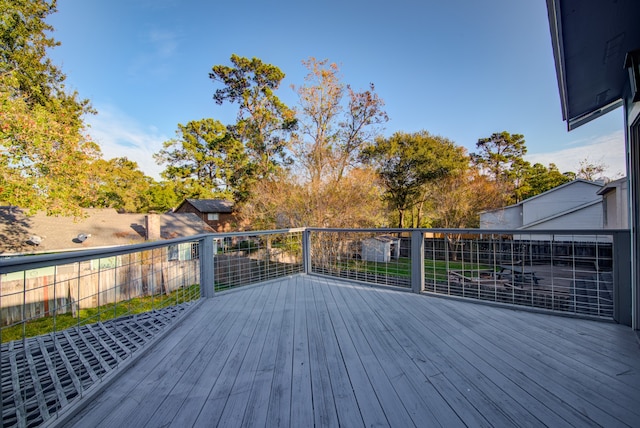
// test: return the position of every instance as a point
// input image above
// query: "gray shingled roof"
(106, 226)
(212, 205)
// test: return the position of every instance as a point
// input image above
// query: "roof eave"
(575, 122)
(555, 27)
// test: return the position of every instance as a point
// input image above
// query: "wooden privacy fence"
(84, 285)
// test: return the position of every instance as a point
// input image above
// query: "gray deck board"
(210, 363)
(516, 370)
(605, 398)
(309, 350)
(279, 405)
(301, 393)
(386, 395)
(255, 414)
(370, 410)
(231, 365)
(342, 393)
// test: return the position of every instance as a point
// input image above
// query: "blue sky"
(462, 69)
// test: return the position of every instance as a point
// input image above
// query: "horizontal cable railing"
(567, 271)
(244, 258)
(67, 320)
(379, 256)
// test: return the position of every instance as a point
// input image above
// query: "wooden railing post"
(417, 261)
(207, 278)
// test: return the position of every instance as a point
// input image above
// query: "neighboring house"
(217, 213)
(573, 205)
(22, 234)
(615, 204)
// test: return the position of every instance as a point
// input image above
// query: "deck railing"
(68, 320)
(583, 273)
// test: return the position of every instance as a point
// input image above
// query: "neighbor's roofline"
(582, 180)
(558, 215)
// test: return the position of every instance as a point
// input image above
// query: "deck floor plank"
(255, 414)
(371, 411)
(505, 392)
(198, 357)
(239, 400)
(489, 361)
(218, 356)
(538, 384)
(580, 382)
(301, 390)
(231, 367)
(418, 347)
(315, 351)
(132, 394)
(388, 397)
(279, 406)
(414, 389)
(342, 391)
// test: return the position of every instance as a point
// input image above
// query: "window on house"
(212, 216)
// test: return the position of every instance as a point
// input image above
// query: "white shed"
(380, 249)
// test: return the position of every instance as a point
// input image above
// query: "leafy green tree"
(497, 154)
(118, 183)
(501, 157)
(541, 178)
(161, 196)
(206, 160)
(407, 162)
(264, 123)
(44, 155)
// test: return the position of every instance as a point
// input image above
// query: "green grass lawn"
(402, 267)
(138, 305)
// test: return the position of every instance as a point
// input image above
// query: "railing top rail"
(479, 231)
(21, 263)
(371, 229)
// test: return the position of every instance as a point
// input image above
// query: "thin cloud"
(165, 43)
(118, 135)
(608, 150)
(157, 52)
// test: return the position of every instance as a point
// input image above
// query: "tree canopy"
(263, 123)
(206, 161)
(325, 164)
(407, 162)
(326, 187)
(45, 155)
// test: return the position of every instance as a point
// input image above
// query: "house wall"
(223, 224)
(560, 200)
(632, 146)
(587, 218)
(616, 207)
(507, 218)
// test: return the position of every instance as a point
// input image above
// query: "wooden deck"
(310, 351)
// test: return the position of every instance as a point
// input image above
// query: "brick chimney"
(152, 227)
